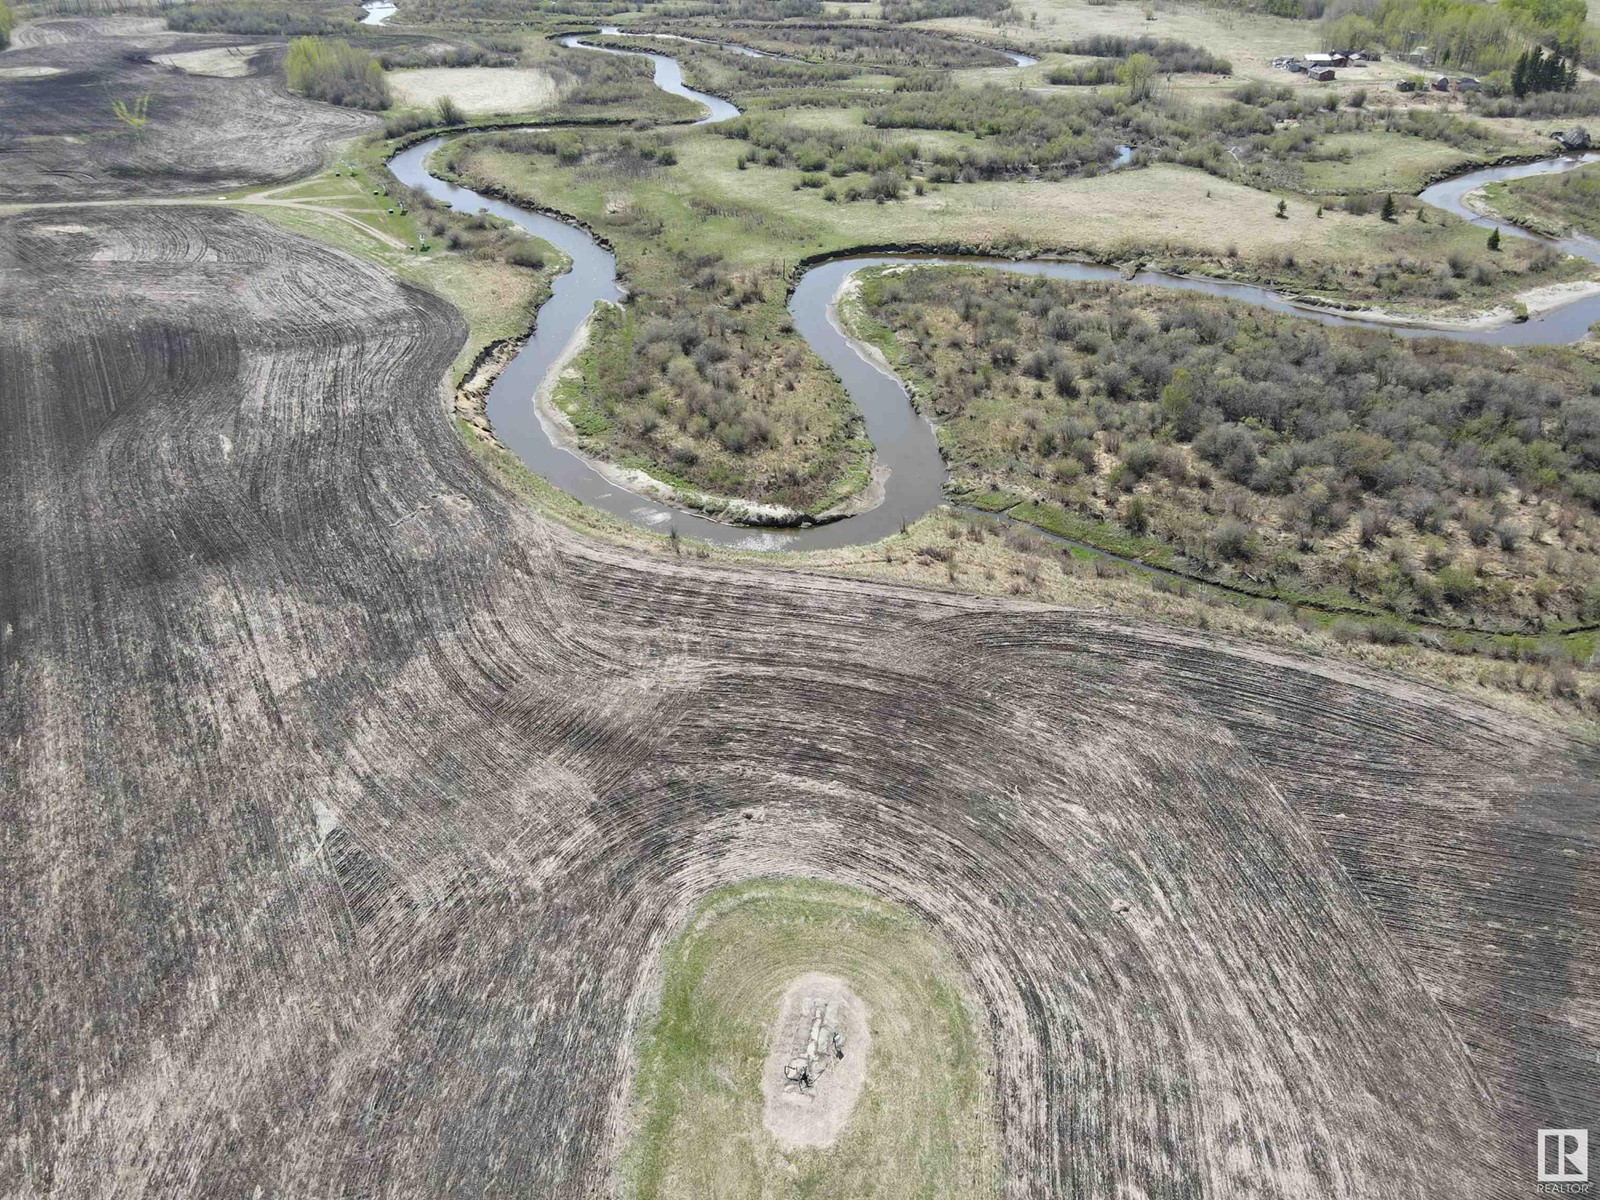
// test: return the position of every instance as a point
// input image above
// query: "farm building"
(1316, 61)
(1405, 85)
(1321, 74)
(1441, 84)
(1468, 84)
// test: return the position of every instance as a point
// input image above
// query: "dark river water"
(904, 442)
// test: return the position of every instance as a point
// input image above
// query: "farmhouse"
(1315, 61)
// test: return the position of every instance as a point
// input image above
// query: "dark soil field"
(346, 803)
(60, 136)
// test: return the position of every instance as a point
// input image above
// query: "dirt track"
(345, 803)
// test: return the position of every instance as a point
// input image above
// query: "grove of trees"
(335, 71)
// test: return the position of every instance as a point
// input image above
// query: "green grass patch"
(1552, 204)
(922, 1126)
(1379, 162)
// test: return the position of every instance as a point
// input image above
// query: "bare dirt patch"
(811, 1112)
(476, 89)
(220, 62)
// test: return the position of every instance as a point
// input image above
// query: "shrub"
(1457, 586)
(525, 254)
(1230, 541)
(449, 112)
(8, 22)
(407, 121)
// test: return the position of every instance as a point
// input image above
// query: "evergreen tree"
(1388, 207)
(1494, 239)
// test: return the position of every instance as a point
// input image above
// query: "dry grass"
(476, 89)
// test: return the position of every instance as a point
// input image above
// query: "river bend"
(904, 442)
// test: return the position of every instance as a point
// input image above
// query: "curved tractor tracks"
(347, 802)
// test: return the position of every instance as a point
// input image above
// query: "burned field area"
(93, 108)
(347, 802)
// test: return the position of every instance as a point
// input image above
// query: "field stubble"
(351, 799)
(349, 802)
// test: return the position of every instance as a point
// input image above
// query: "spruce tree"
(1388, 207)
(1494, 238)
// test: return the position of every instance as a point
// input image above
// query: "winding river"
(904, 442)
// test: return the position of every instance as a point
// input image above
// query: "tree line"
(1537, 72)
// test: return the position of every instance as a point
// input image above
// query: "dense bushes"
(1581, 102)
(490, 53)
(240, 16)
(749, 10)
(337, 72)
(8, 22)
(591, 81)
(1022, 132)
(1420, 476)
(876, 46)
(926, 10)
(1170, 55)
